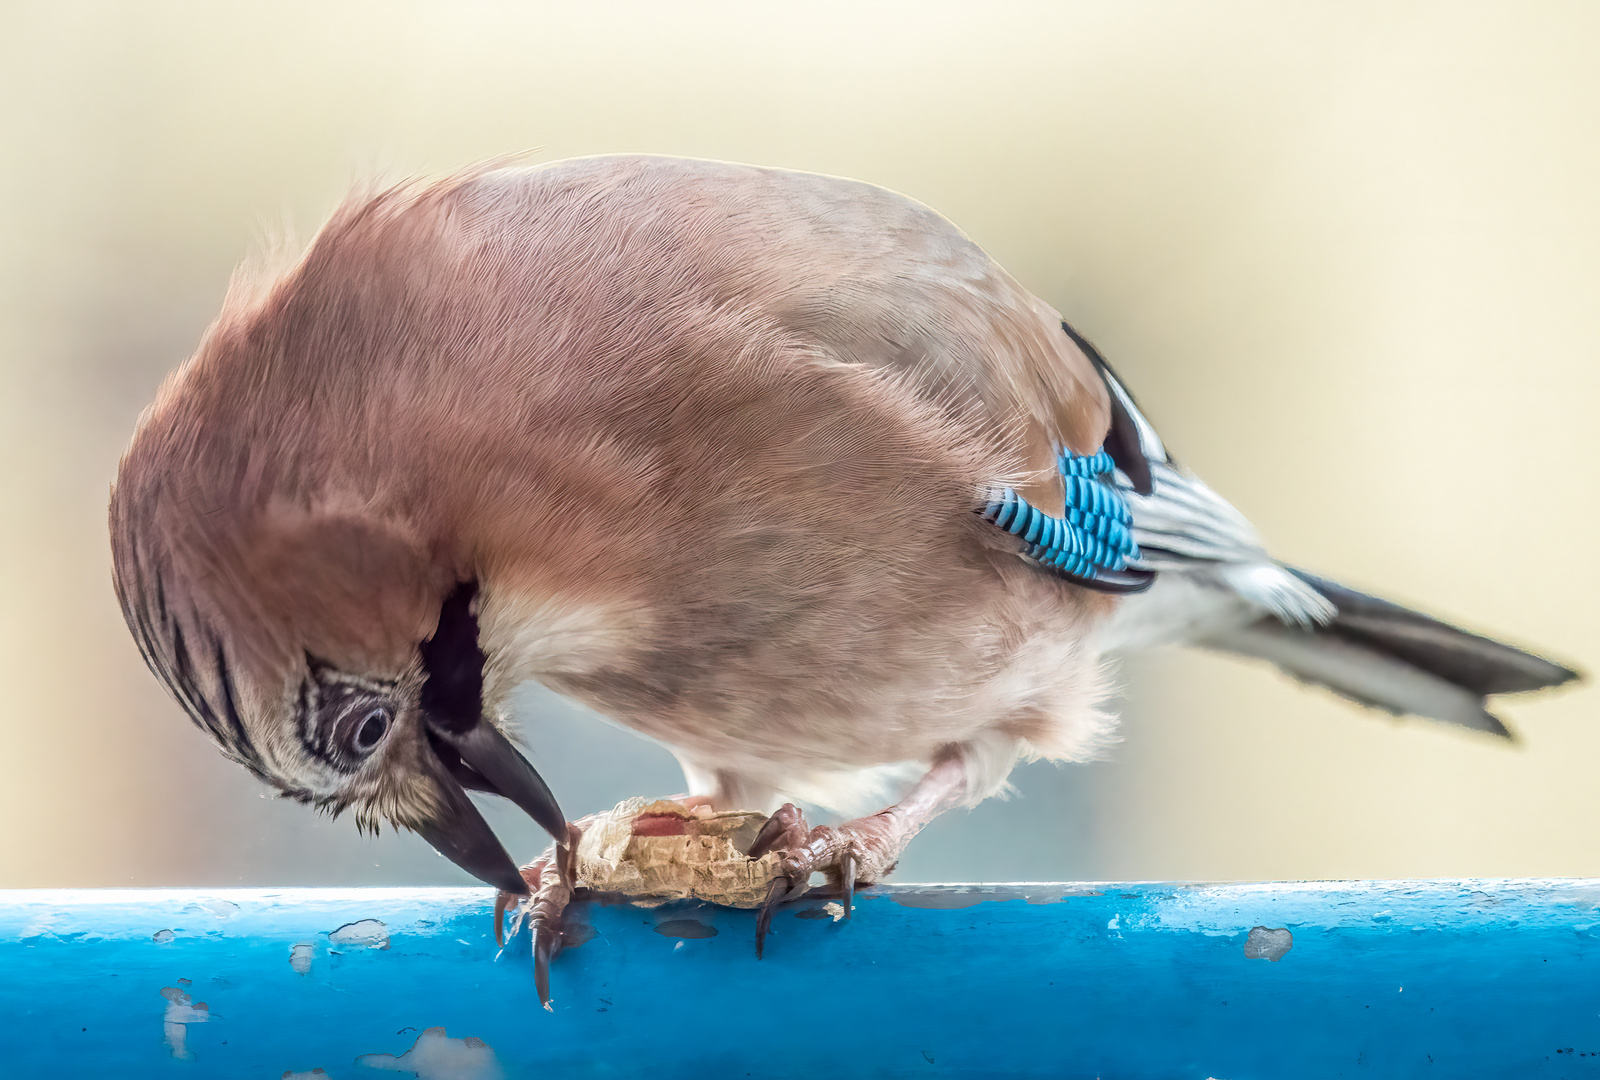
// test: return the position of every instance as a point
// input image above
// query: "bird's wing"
(715, 270)
(1090, 543)
(877, 280)
(870, 277)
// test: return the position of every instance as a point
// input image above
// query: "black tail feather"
(1470, 661)
(1378, 653)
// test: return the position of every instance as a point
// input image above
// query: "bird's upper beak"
(472, 752)
(483, 759)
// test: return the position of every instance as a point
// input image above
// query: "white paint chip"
(362, 934)
(1268, 943)
(436, 1056)
(181, 1011)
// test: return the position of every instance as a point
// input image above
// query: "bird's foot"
(550, 884)
(858, 852)
(551, 879)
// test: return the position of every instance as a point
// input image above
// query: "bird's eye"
(345, 718)
(357, 730)
(373, 726)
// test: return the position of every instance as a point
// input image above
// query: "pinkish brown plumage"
(709, 439)
(701, 445)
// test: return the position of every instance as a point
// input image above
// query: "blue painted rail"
(1487, 978)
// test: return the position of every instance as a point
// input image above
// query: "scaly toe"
(767, 838)
(786, 828)
(533, 873)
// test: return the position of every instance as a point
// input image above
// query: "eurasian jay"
(778, 469)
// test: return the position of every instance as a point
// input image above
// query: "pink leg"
(863, 850)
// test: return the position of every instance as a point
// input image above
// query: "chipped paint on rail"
(1471, 978)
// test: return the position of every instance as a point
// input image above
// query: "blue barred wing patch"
(1092, 542)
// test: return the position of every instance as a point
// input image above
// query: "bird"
(778, 469)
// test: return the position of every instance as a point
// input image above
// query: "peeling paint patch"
(181, 1011)
(831, 910)
(436, 1056)
(222, 909)
(162, 937)
(686, 928)
(314, 1074)
(1267, 943)
(1056, 896)
(300, 954)
(362, 934)
(941, 899)
(576, 934)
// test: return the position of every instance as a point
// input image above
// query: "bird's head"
(324, 648)
(287, 541)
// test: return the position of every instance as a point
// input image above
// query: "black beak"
(502, 770)
(473, 752)
(483, 759)
(459, 833)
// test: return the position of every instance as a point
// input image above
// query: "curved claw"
(501, 898)
(848, 866)
(546, 943)
(780, 888)
(768, 837)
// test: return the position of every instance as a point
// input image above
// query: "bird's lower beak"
(483, 759)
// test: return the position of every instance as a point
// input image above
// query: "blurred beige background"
(1348, 256)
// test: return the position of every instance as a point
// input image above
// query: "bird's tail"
(1387, 656)
(1216, 586)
